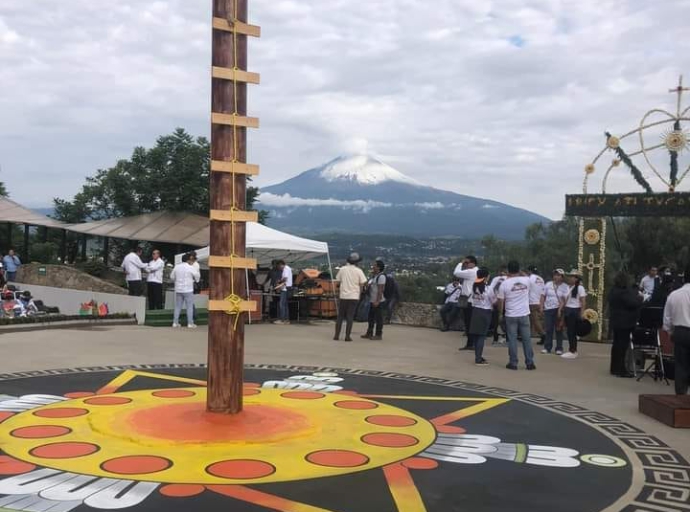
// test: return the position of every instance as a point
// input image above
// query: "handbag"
(463, 301)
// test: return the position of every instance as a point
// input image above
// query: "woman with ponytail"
(574, 311)
(483, 300)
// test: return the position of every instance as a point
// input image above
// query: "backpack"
(391, 288)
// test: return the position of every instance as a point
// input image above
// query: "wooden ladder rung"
(224, 306)
(237, 27)
(233, 120)
(234, 216)
(236, 75)
(232, 262)
(236, 167)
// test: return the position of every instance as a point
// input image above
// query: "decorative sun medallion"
(590, 168)
(308, 439)
(676, 140)
(591, 315)
(616, 162)
(613, 142)
(592, 236)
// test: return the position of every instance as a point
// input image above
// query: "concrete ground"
(583, 382)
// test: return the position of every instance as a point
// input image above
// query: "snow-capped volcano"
(360, 194)
(364, 170)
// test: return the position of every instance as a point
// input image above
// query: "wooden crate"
(323, 308)
(672, 410)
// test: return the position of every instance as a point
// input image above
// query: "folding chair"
(646, 344)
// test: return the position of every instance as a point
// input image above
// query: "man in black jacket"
(624, 311)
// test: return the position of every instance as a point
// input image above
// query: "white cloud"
(442, 93)
(286, 200)
(431, 206)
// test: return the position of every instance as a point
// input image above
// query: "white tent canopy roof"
(265, 245)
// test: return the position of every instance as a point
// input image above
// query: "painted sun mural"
(140, 437)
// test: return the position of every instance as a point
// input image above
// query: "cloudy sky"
(501, 99)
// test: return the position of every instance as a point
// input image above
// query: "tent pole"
(330, 270)
(249, 292)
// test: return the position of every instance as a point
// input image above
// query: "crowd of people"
(520, 303)
(186, 276)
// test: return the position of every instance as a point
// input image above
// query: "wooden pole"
(63, 246)
(83, 248)
(26, 255)
(106, 250)
(227, 191)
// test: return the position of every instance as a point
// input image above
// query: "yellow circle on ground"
(167, 436)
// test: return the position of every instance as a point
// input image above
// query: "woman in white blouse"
(552, 303)
(483, 300)
(574, 311)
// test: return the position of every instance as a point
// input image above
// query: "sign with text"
(628, 205)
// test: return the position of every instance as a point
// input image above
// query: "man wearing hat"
(351, 280)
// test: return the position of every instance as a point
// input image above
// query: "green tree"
(173, 175)
(3, 190)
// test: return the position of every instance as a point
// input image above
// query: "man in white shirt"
(185, 275)
(648, 283)
(154, 281)
(677, 322)
(467, 271)
(513, 298)
(450, 310)
(536, 290)
(133, 266)
(352, 281)
(284, 286)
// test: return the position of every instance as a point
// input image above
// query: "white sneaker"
(176, 326)
(559, 352)
(544, 351)
(569, 355)
(191, 326)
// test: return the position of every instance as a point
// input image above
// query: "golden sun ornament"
(592, 237)
(590, 168)
(676, 140)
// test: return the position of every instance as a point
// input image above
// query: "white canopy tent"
(265, 245)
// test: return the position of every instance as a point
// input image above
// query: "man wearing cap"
(351, 280)
(677, 322)
(28, 303)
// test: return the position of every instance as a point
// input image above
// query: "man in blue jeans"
(12, 264)
(513, 298)
(283, 288)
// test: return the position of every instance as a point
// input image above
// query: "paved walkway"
(584, 381)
